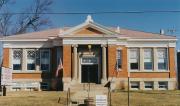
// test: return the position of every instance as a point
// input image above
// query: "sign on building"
(6, 76)
(101, 100)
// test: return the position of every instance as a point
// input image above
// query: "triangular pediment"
(88, 28)
(88, 31)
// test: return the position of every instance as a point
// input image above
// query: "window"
(17, 59)
(148, 85)
(134, 59)
(163, 84)
(31, 59)
(31, 85)
(44, 86)
(119, 59)
(16, 86)
(135, 85)
(162, 59)
(45, 59)
(148, 54)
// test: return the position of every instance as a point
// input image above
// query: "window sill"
(14, 72)
(149, 71)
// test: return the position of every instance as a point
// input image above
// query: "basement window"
(163, 85)
(148, 85)
(44, 86)
(134, 85)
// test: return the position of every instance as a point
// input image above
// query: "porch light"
(89, 47)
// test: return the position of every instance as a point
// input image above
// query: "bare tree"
(5, 22)
(4, 18)
(34, 17)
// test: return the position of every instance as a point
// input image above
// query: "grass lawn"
(137, 98)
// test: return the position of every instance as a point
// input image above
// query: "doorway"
(89, 73)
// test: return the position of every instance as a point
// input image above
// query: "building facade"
(91, 53)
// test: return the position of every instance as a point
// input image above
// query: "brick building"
(91, 53)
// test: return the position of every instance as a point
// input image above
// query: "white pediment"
(88, 27)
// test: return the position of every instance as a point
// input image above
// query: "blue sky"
(148, 22)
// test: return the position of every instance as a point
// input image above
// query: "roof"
(143, 35)
(46, 34)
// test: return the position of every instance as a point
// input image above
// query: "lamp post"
(89, 47)
(128, 89)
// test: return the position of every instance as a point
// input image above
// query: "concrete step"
(79, 96)
(85, 87)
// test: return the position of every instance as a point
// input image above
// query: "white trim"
(23, 39)
(90, 24)
(24, 44)
(152, 39)
(27, 60)
(150, 44)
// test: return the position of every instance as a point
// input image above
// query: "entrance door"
(89, 73)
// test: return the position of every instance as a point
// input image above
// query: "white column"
(156, 85)
(104, 71)
(24, 60)
(75, 62)
(141, 56)
(155, 59)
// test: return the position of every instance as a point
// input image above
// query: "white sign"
(6, 76)
(101, 100)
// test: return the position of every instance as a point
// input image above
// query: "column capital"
(75, 45)
(103, 45)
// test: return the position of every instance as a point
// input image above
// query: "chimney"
(118, 29)
(161, 31)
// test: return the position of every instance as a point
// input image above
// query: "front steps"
(80, 92)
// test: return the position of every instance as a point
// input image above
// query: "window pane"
(135, 85)
(31, 59)
(162, 59)
(148, 59)
(45, 60)
(17, 59)
(163, 84)
(148, 85)
(118, 59)
(134, 59)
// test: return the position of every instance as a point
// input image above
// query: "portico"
(86, 60)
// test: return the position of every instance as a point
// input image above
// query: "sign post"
(6, 78)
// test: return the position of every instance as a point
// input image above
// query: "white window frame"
(27, 59)
(149, 82)
(16, 86)
(152, 59)
(31, 86)
(138, 49)
(167, 60)
(166, 86)
(134, 82)
(12, 53)
(46, 49)
(44, 85)
(117, 68)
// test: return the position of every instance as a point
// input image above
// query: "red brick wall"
(112, 61)
(149, 75)
(172, 62)
(5, 57)
(31, 76)
(67, 60)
